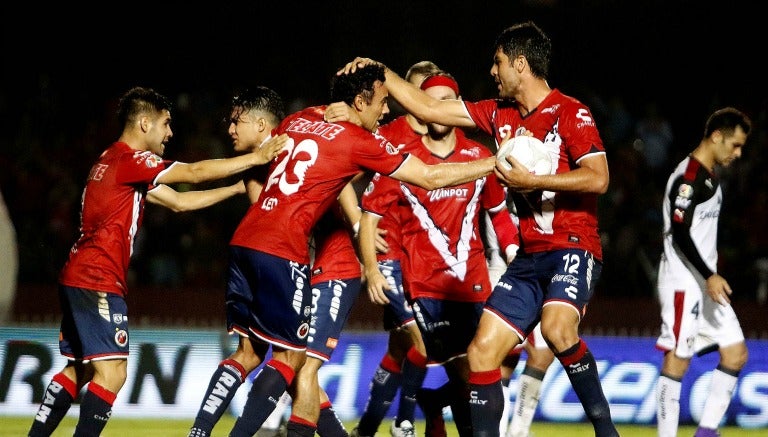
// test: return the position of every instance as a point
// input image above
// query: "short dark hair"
(260, 98)
(529, 40)
(139, 100)
(345, 87)
(726, 120)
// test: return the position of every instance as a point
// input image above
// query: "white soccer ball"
(527, 150)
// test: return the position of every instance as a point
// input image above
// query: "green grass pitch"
(117, 427)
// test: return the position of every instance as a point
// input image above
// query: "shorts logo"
(121, 337)
(303, 330)
(117, 319)
(331, 343)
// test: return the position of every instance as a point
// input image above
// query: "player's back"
(305, 179)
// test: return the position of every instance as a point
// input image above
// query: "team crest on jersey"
(150, 159)
(303, 330)
(473, 152)
(551, 109)
(685, 191)
(117, 319)
(368, 189)
(121, 337)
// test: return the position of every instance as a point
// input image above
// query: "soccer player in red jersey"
(269, 257)
(396, 370)
(254, 114)
(92, 284)
(446, 274)
(554, 275)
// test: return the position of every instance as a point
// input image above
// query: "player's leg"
(275, 423)
(224, 382)
(507, 369)
(65, 385)
(539, 358)
(680, 299)
(565, 302)
(233, 370)
(721, 325)
(721, 387)
(306, 399)
(58, 397)
(387, 379)
(414, 370)
(275, 283)
(492, 342)
(96, 405)
(329, 424)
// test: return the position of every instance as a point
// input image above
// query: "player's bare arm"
(166, 196)
(375, 282)
(414, 100)
(590, 177)
(431, 177)
(212, 169)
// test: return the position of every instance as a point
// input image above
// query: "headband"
(440, 80)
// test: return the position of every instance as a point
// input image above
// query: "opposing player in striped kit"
(696, 312)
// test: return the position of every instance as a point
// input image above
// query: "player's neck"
(704, 156)
(440, 145)
(531, 95)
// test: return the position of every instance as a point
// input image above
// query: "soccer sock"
(580, 366)
(57, 399)
(221, 389)
(485, 403)
(95, 410)
(720, 393)
(383, 388)
(528, 390)
(298, 427)
(268, 386)
(504, 422)
(431, 401)
(275, 419)
(667, 405)
(329, 425)
(414, 372)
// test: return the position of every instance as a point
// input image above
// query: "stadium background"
(65, 66)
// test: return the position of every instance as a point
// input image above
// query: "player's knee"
(734, 357)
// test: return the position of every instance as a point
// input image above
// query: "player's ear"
(359, 103)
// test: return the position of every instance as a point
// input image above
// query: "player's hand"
(270, 149)
(380, 241)
(719, 290)
(336, 112)
(376, 284)
(510, 252)
(359, 62)
(518, 178)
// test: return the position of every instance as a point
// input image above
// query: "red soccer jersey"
(399, 133)
(445, 256)
(335, 255)
(306, 178)
(112, 209)
(550, 221)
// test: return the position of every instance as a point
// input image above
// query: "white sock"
(667, 406)
(526, 402)
(720, 393)
(274, 419)
(505, 413)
